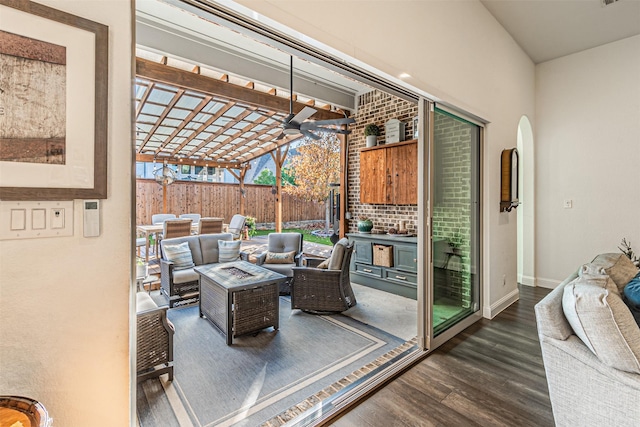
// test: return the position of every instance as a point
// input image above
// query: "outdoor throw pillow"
(180, 255)
(280, 257)
(324, 264)
(631, 297)
(603, 322)
(228, 250)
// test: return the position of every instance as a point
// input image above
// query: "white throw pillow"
(228, 250)
(594, 309)
(180, 255)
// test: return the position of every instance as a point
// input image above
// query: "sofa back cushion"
(599, 317)
(550, 317)
(209, 246)
(285, 242)
(618, 267)
(337, 254)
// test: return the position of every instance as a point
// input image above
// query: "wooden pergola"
(186, 117)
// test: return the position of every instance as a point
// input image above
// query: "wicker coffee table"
(239, 297)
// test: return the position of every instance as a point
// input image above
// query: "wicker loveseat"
(181, 285)
(154, 339)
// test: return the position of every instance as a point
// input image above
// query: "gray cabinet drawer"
(369, 269)
(400, 276)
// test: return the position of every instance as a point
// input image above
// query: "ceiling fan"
(295, 124)
(164, 176)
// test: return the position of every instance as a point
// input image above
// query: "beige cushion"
(144, 302)
(600, 318)
(324, 264)
(180, 255)
(617, 266)
(335, 260)
(280, 257)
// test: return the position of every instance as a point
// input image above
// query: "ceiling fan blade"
(279, 137)
(345, 121)
(309, 134)
(303, 115)
(314, 126)
(329, 130)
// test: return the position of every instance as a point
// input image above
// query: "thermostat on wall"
(91, 210)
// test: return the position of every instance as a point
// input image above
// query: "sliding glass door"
(455, 220)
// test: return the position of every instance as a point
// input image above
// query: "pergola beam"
(188, 80)
(150, 158)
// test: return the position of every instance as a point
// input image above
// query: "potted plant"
(142, 269)
(372, 132)
(250, 224)
(364, 224)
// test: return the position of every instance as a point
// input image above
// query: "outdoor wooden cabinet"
(389, 174)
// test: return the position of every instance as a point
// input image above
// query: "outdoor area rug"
(261, 375)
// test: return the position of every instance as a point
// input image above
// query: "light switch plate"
(33, 220)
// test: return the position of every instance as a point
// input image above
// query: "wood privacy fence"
(220, 200)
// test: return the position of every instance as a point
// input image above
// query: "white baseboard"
(547, 283)
(527, 280)
(501, 304)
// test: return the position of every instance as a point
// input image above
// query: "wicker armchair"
(282, 243)
(319, 290)
(154, 339)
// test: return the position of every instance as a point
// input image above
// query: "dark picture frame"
(43, 190)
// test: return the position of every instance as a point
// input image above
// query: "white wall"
(64, 302)
(588, 148)
(455, 51)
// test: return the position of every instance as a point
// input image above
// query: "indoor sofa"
(591, 346)
(178, 279)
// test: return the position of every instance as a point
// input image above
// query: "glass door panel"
(455, 241)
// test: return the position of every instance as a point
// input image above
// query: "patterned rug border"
(317, 398)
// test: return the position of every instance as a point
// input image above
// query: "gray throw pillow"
(228, 250)
(594, 309)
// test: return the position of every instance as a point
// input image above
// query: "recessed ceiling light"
(404, 75)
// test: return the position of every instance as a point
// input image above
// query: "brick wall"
(378, 107)
(451, 212)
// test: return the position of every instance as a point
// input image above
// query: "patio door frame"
(238, 20)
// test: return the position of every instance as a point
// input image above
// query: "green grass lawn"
(307, 236)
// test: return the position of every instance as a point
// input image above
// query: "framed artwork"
(53, 104)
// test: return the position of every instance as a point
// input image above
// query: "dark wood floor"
(489, 375)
